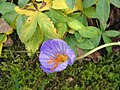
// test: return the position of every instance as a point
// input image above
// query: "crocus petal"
(59, 45)
(46, 45)
(70, 53)
(61, 66)
(47, 70)
(45, 56)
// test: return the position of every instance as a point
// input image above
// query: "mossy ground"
(19, 72)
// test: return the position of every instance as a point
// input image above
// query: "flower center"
(60, 58)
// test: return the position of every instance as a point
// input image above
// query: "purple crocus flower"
(55, 56)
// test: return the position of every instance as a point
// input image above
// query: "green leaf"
(9, 17)
(22, 3)
(59, 15)
(75, 24)
(20, 22)
(90, 12)
(87, 44)
(79, 38)
(71, 41)
(28, 28)
(47, 26)
(116, 3)
(70, 3)
(89, 32)
(49, 14)
(83, 20)
(13, 24)
(34, 42)
(111, 33)
(59, 4)
(75, 15)
(1, 1)
(88, 3)
(107, 40)
(3, 38)
(103, 11)
(79, 4)
(27, 12)
(61, 28)
(6, 7)
(96, 41)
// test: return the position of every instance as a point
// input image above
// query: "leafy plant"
(36, 21)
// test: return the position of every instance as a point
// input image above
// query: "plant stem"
(97, 48)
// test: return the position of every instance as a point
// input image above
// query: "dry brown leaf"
(43, 4)
(70, 79)
(94, 56)
(114, 16)
(4, 27)
(116, 39)
(80, 53)
(8, 43)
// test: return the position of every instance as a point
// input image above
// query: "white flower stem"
(97, 48)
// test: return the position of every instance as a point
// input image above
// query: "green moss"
(18, 71)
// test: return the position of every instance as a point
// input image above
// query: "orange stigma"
(60, 58)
